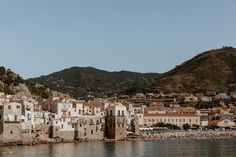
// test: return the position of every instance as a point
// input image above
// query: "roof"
(91, 104)
(214, 122)
(38, 110)
(170, 115)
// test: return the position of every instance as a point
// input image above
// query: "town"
(62, 119)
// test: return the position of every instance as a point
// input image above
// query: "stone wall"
(11, 132)
(67, 135)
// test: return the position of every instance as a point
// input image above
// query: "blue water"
(184, 148)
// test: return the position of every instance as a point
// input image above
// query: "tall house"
(116, 122)
(10, 118)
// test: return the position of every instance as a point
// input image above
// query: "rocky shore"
(175, 135)
(189, 135)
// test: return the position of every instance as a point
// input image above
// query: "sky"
(38, 37)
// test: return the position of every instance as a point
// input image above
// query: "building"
(10, 117)
(116, 122)
(89, 127)
(89, 124)
(222, 123)
(174, 119)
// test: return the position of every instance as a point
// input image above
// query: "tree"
(186, 126)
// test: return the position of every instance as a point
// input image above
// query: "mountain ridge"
(213, 70)
(81, 81)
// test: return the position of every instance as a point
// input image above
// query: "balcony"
(8, 121)
(91, 123)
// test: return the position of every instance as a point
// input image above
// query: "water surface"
(184, 148)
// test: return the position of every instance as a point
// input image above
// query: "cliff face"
(213, 70)
(9, 80)
(12, 83)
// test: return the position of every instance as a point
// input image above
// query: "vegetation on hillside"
(213, 70)
(78, 82)
(8, 78)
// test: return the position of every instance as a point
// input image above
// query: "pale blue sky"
(38, 37)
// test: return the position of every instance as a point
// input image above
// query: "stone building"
(174, 119)
(90, 127)
(10, 117)
(116, 122)
(88, 124)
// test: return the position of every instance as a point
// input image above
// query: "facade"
(89, 127)
(116, 122)
(174, 119)
(11, 122)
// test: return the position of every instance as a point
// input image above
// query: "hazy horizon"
(41, 37)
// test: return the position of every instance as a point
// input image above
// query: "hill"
(8, 79)
(81, 81)
(213, 70)
(12, 83)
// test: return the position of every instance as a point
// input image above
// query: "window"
(123, 113)
(110, 112)
(9, 107)
(183, 120)
(29, 117)
(85, 134)
(11, 132)
(118, 112)
(190, 120)
(18, 106)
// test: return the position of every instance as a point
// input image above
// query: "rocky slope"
(12, 83)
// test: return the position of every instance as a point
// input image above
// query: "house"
(89, 127)
(222, 96)
(222, 123)
(41, 123)
(10, 121)
(116, 122)
(174, 119)
(90, 124)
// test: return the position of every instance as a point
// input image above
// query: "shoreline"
(167, 136)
